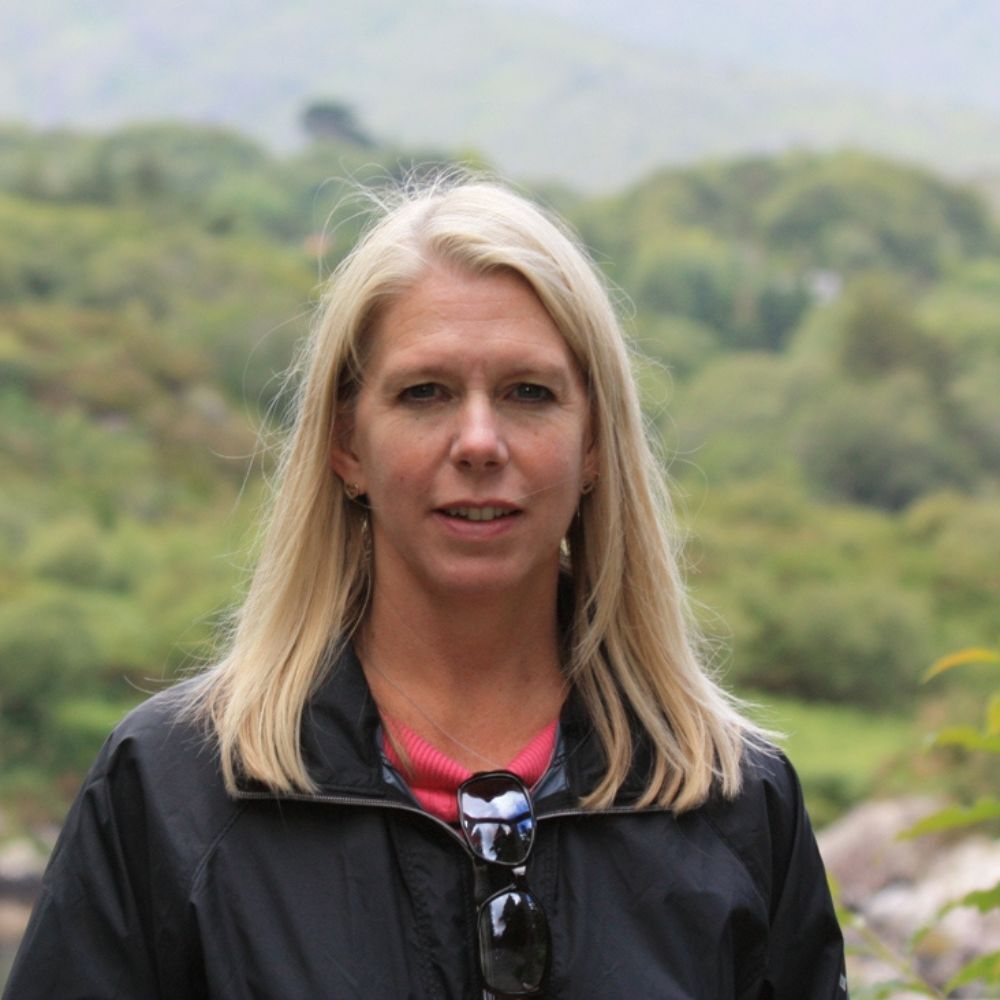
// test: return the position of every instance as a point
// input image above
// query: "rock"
(896, 887)
(862, 850)
(13, 919)
(21, 868)
(898, 911)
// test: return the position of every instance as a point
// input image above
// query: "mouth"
(478, 513)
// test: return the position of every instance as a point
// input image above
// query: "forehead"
(457, 315)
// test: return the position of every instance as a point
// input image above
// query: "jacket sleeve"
(805, 959)
(89, 933)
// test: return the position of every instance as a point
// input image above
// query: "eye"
(424, 392)
(530, 392)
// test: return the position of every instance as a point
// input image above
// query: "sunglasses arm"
(482, 888)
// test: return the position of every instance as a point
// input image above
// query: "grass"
(841, 752)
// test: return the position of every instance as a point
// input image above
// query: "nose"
(479, 442)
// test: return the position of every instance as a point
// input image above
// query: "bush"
(983, 970)
(881, 444)
(735, 417)
(46, 651)
(73, 551)
(831, 641)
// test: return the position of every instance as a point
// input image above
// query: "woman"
(467, 571)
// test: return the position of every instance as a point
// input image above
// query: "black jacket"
(163, 886)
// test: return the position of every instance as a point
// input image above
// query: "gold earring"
(588, 487)
(352, 491)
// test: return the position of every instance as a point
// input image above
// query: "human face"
(470, 435)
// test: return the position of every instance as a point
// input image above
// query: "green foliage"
(881, 335)
(834, 430)
(777, 569)
(74, 551)
(953, 541)
(984, 970)
(77, 726)
(737, 416)
(850, 213)
(138, 163)
(847, 270)
(681, 344)
(956, 817)
(46, 649)
(964, 307)
(845, 214)
(881, 444)
(867, 748)
(829, 641)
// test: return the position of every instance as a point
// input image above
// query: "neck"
(476, 679)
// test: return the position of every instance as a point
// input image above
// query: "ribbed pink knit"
(433, 777)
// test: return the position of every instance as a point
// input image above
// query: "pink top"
(433, 777)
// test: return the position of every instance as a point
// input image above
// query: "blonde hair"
(632, 645)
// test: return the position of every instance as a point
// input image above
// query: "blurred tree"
(682, 344)
(155, 280)
(852, 212)
(692, 273)
(881, 334)
(847, 641)
(335, 121)
(881, 443)
(47, 651)
(737, 417)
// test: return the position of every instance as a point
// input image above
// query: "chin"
(491, 581)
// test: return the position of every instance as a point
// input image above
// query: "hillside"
(937, 50)
(541, 95)
(820, 366)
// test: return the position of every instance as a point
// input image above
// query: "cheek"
(397, 459)
(560, 480)
(562, 457)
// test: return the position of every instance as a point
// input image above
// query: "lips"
(478, 513)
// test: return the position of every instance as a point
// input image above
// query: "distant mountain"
(542, 94)
(942, 50)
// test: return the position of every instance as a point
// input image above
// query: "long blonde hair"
(632, 644)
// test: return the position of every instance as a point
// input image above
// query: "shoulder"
(766, 823)
(156, 780)
(768, 827)
(770, 785)
(114, 915)
(158, 738)
(769, 778)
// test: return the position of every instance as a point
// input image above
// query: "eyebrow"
(553, 374)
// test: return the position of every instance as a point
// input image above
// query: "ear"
(344, 460)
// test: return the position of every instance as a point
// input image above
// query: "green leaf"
(985, 968)
(993, 716)
(955, 817)
(917, 937)
(974, 654)
(890, 988)
(981, 899)
(967, 737)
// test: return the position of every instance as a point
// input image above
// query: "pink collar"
(433, 777)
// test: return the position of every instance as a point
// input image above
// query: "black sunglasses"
(498, 820)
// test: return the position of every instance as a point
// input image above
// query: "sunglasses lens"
(513, 943)
(497, 818)
(499, 824)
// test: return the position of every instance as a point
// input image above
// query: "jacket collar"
(339, 728)
(339, 739)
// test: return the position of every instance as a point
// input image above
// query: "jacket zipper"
(358, 800)
(354, 800)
